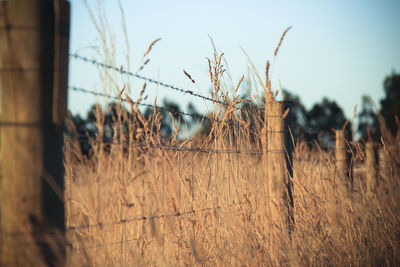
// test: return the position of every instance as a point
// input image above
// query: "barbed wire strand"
(174, 112)
(145, 218)
(150, 80)
(176, 147)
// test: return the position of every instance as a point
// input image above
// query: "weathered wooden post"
(33, 39)
(340, 155)
(276, 162)
(370, 167)
(384, 166)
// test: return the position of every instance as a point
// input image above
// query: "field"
(228, 197)
(207, 200)
(248, 182)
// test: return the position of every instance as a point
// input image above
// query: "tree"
(322, 118)
(116, 121)
(316, 123)
(297, 117)
(169, 114)
(197, 118)
(390, 105)
(368, 126)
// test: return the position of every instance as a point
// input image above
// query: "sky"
(336, 49)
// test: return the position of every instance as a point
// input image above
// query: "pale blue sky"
(337, 49)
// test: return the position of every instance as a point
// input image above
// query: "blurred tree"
(297, 116)
(94, 114)
(114, 121)
(368, 126)
(390, 105)
(169, 115)
(81, 132)
(205, 127)
(322, 118)
(253, 114)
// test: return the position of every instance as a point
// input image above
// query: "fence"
(278, 181)
(275, 152)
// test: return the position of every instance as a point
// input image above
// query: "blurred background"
(338, 50)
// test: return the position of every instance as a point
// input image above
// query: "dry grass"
(130, 205)
(179, 208)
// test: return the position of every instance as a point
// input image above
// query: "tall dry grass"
(147, 205)
(135, 202)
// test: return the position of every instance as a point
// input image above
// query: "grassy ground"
(130, 205)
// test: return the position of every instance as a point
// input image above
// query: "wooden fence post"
(370, 167)
(340, 155)
(31, 172)
(276, 161)
(384, 166)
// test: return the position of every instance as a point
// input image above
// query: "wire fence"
(166, 147)
(177, 214)
(173, 112)
(146, 218)
(150, 80)
(175, 148)
(158, 108)
(146, 145)
(122, 71)
(119, 222)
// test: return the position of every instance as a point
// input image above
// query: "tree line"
(316, 123)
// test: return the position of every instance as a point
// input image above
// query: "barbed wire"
(208, 150)
(107, 244)
(172, 147)
(176, 148)
(158, 217)
(150, 80)
(145, 218)
(174, 112)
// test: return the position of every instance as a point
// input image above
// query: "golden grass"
(152, 206)
(281, 40)
(129, 205)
